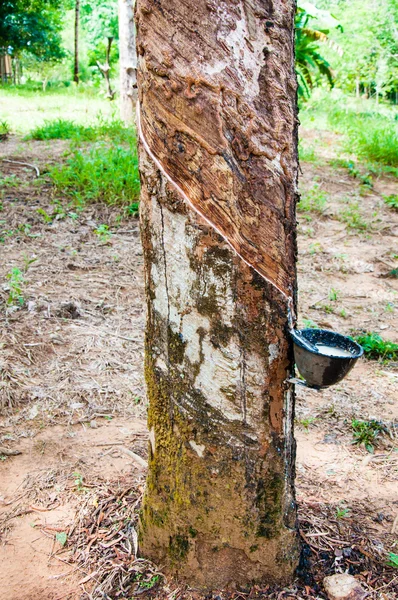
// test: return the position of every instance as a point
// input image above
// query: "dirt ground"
(72, 400)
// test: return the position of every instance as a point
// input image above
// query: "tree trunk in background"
(218, 124)
(76, 61)
(127, 60)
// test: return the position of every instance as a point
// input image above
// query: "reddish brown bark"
(217, 104)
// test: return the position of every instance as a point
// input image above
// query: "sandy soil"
(72, 400)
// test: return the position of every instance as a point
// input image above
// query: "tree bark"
(127, 60)
(218, 163)
(76, 76)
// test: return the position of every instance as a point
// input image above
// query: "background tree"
(370, 44)
(127, 60)
(76, 47)
(76, 53)
(33, 26)
(100, 23)
(218, 163)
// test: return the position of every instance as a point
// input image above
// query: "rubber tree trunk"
(76, 76)
(218, 163)
(127, 60)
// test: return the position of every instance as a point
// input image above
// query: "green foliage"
(4, 129)
(370, 44)
(352, 217)
(103, 232)
(366, 432)
(33, 26)
(9, 181)
(306, 152)
(371, 135)
(391, 201)
(310, 324)
(342, 512)
(61, 129)
(100, 21)
(61, 538)
(366, 179)
(102, 173)
(306, 422)
(392, 560)
(107, 171)
(334, 295)
(15, 292)
(376, 348)
(313, 200)
(311, 65)
(66, 129)
(45, 216)
(146, 581)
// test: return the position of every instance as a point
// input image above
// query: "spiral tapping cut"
(288, 298)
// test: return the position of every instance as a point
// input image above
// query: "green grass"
(376, 348)
(313, 200)
(372, 136)
(4, 129)
(369, 131)
(393, 560)
(67, 129)
(15, 284)
(61, 129)
(25, 108)
(391, 201)
(102, 173)
(352, 217)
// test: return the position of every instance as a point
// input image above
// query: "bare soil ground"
(72, 400)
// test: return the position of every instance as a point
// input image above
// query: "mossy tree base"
(219, 506)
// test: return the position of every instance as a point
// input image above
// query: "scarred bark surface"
(217, 89)
(217, 94)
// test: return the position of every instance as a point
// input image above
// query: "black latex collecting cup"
(318, 368)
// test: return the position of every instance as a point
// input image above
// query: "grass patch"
(4, 129)
(66, 129)
(102, 173)
(313, 200)
(61, 129)
(352, 217)
(9, 181)
(369, 131)
(372, 135)
(366, 432)
(307, 153)
(391, 201)
(75, 103)
(376, 348)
